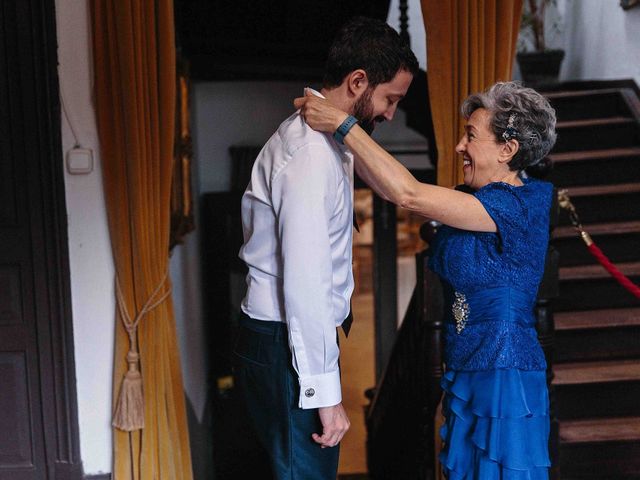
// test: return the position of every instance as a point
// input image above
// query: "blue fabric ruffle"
(497, 425)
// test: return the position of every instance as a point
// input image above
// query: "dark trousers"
(268, 386)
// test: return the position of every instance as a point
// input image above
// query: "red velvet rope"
(611, 268)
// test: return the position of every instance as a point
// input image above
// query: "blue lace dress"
(496, 401)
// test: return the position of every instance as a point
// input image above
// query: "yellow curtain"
(471, 45)
(135, 92)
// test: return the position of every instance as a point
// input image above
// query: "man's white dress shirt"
(297, 217)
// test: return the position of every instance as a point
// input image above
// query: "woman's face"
(480, 152)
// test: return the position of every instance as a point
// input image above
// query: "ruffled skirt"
(497, 425)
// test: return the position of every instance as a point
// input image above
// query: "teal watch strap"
(344, 128)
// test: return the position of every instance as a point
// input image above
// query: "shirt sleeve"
(506, 208)
(304, 197)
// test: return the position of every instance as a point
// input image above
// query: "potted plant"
(539, 65)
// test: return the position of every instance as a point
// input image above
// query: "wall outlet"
(80, 161)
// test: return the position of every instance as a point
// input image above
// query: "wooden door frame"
(40, 134)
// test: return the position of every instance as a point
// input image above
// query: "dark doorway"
(38, 418)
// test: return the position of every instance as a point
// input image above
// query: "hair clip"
(511, 131)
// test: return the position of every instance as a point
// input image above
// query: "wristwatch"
(344, 128)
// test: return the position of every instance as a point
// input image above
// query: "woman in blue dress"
(490, 255)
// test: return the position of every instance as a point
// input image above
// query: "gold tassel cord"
(129, 410)
(565, 202)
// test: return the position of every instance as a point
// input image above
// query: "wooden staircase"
(596, 385)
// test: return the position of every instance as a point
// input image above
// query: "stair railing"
(548, 290)
(400, 418)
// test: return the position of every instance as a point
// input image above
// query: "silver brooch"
(460, 309)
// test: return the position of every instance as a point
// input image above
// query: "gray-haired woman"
(490, 256)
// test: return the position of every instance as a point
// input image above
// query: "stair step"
(599, 430)
(598, 461)
(597, 271)
(597, 133)
(604, 203)
(595, 122)
(598, 190)
(596, 372)
(580, 93)
(597, 399)
(619, 248)
(595, 167)
(596, 319)
(595, 335)
(590, 287)
(603, 154)
(596, 384)
(587, 103)
(620, 241)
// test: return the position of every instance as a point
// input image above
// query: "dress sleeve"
(507, 209)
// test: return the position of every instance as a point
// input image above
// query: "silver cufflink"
(309, 392)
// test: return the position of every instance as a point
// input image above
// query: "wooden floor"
(358, 368)
(358, 374)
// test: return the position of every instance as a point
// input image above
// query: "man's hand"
(334, 425)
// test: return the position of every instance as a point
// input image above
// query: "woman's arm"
(391, 180)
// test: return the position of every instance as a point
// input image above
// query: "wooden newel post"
(431, 312)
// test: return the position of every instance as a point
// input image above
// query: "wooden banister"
(400, 418)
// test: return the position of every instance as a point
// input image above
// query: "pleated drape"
(135, 93)
(471, 44)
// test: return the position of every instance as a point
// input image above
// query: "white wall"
(235, 113)
(417, 34)
(602, 41)
(91, 263)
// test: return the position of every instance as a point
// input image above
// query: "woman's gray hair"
(520, 113)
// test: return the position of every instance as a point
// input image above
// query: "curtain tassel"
(129, 413)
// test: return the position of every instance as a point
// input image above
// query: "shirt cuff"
(320, 390)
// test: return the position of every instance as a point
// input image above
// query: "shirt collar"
(343, 148)
(315, 92)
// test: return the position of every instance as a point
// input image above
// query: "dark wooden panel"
(15, 441)
(38, 420)
(7, 180)
(10, 295)
(385, 280)
(221, 235)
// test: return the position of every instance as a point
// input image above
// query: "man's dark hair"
(371, 45)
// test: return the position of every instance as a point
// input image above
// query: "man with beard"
(297, 216)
